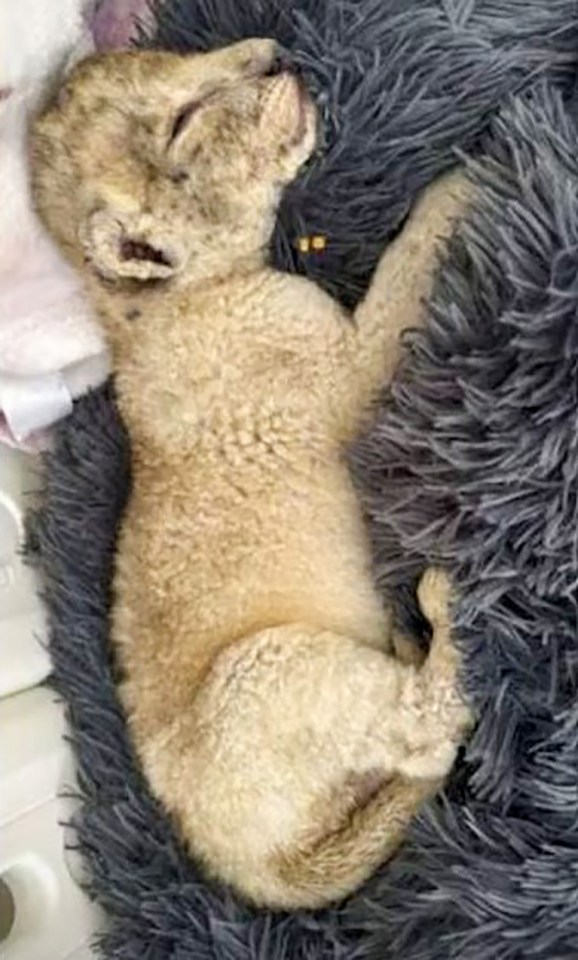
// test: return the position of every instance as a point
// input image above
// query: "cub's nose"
(280, 63)
(262, 58)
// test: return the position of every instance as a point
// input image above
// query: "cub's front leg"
(396, 299)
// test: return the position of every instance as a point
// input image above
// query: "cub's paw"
(448, 195)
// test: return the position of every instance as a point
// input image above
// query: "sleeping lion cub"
(269, 712)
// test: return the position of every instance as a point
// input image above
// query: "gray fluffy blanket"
(473, 462)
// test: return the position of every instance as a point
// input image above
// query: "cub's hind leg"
(302, 760)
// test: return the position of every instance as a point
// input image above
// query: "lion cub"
(258, 677)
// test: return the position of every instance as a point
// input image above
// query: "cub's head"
(153, 165)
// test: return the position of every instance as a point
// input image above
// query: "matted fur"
(472, 883)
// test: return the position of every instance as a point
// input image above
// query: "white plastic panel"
(23, 659)
(52, 918)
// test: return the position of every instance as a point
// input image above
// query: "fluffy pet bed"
(474, 462)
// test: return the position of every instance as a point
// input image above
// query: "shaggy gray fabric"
(473, 462)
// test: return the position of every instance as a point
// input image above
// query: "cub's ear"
(288, 123)
(130, 247)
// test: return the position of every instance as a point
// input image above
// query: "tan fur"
(268, 711)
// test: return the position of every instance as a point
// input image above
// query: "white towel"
(51, 349)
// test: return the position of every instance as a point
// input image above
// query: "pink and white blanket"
(51, 349)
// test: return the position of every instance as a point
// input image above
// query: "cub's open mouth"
(140, 250)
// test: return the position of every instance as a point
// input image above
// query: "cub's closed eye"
(183, 117)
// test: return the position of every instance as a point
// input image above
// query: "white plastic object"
(50, 917)
(24, 661)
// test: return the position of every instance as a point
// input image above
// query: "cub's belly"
(195, 573)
